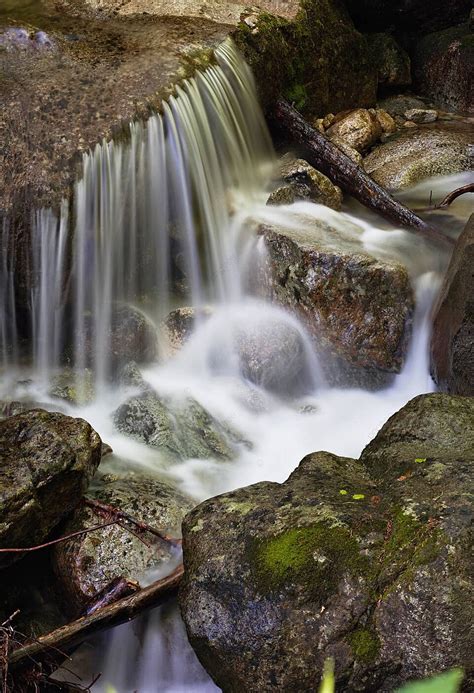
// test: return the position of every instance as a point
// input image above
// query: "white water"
(200, 168)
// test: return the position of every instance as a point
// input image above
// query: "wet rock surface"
(46, 463)
(181, 429)
(300, 181)
(180, 325)
(419, 153)
(364, 561)
(357, 308)
(452, 342)
(87, 564)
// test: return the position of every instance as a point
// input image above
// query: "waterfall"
(150, 211)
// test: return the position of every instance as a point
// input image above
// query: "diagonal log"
(72, 634)
(327, 158)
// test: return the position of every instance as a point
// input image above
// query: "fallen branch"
(74, 633)
(454, 195)
(328, 159)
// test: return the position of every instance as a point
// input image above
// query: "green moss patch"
(314, 557)
(365, 645)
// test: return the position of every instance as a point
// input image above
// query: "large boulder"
(46, 463)
(452, 342)
(300, 181)
(315, 59)
(420, 153)
(357, 308)
(87, 563)
(443, 68)
(367, 562)
(181, 429)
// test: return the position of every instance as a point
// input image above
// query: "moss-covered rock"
(393, 62)
(357, 309)
(46, 463)
(317, 60)
(86, 564)
(364, 561)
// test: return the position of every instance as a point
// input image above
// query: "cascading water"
(177, 203)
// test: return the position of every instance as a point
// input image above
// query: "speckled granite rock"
(364, 561)
(419, 153)
(46, 463)
(443, 68)
(359, 129)
(357, 308)
(86, 564)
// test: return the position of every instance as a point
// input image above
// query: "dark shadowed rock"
(364, 561)
(444, 68)
(413, 17)
(393, 62)
(357, 309)
(452, 343)
(86, 564)
(46, 463)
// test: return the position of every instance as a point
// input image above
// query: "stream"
(203, 167)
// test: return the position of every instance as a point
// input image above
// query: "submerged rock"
(357, 309)
(86, 564)
(130, 336)
(300, 181)
(181, 323)
(443, 68)
(46, 463)
(73, 386)
(365, 561)
(452, 342)
(417, 154)
(359, 129)
(182, 429)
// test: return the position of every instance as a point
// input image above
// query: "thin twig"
(109, 511)
(57, 541)
(455, 194)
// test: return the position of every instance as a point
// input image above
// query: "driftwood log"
(72, 634)
(351, 178)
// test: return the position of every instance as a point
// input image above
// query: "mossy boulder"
(393, 62)
(318, 60)
(46, 463)
(358, 309)
(452, 342)
(412, 155)
(180, 429)
(366, 561)
(443, 69)
(87, 563)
